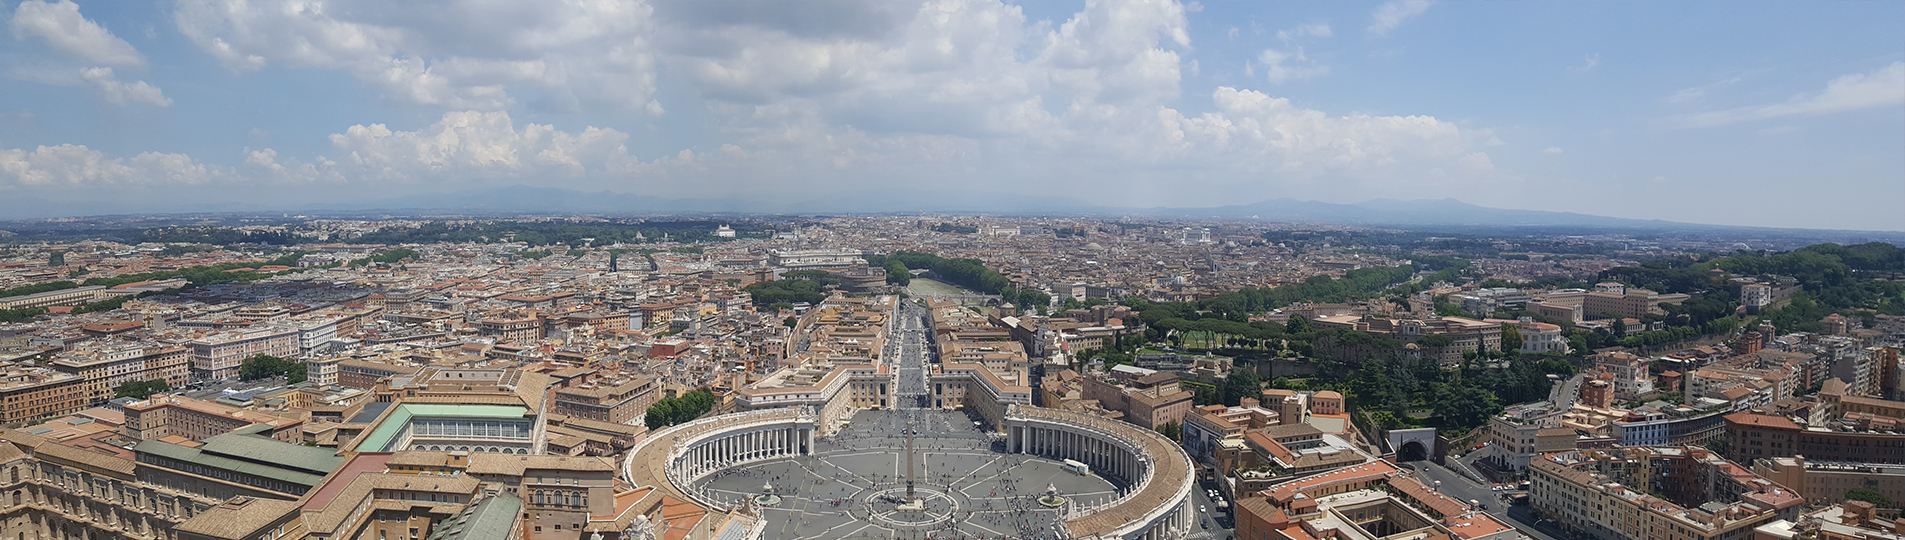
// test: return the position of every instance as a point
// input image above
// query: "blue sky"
(1753, 113)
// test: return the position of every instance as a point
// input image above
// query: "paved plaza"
(852, 485)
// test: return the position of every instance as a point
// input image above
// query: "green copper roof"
(379, 439)
(487, 519)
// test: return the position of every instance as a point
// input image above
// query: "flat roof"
(378, 440)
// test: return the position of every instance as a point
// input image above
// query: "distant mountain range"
(1446, 213)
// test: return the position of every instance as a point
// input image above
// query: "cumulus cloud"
(1882, 87)
(474, 144)
(76, 166)
(954, 92)
(118, 92)
(463, 55)
(1392, 15)
(86, 50)
(66, 31)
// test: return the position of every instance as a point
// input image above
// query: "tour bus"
(1077, 467)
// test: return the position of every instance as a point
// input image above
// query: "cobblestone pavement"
(851, 487)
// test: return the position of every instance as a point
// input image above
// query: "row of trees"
(676, 410)
(968, 273)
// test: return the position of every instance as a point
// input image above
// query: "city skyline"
(1762, 114)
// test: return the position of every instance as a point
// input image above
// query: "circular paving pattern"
(854, 483)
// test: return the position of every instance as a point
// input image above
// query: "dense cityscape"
(550, 377)
(952, 270)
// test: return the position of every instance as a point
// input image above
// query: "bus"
(1077, 467)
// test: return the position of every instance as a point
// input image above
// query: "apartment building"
(1666, 493)
(1373, 500)
(1150, 401)
(978, 388)
(615, 400)
(164, 416)
(365, 372)
(1206, 427)
(107, 366)
(218, 355)
(1826, 482)
(33, 392)
(513, 326)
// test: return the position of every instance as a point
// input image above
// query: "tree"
(266, 366)
(58, 258)
(1297, 325)
(676, 410)
(897, 273)
(1511, 337)
(140, 389)
(1172, 430)
(1241, 383)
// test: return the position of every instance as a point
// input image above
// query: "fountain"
(767, 496)
(1051, 498)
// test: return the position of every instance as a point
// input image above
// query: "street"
(909, 342)
(1461, 488)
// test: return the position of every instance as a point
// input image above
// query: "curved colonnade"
(1156, 476)
(676, 457)
(1154, 502)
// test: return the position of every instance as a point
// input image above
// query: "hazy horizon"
(1784, 115)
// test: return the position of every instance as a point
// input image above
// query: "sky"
(1741, 113)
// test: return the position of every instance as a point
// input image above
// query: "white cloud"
(1291, 63)
(1552, 151)
(1880, 87)
(1588, 61)
(87, 49)
(76, 166)
(1287, 66)
(942, 92)
(118, 92)
(451, 55)
(1308, 30)
(70, 33)
(475, 144)
(1392, 15)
